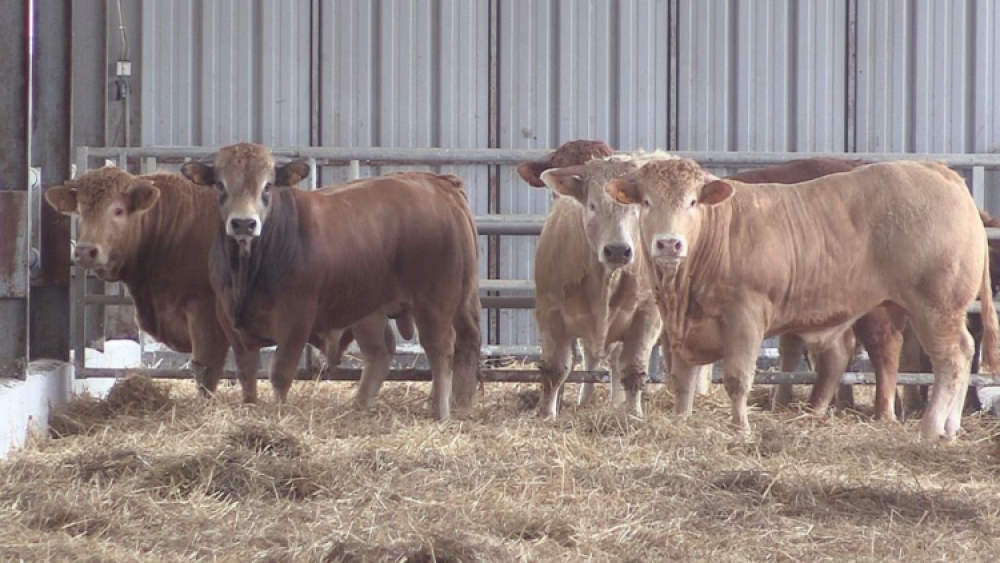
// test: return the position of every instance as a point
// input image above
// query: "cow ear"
(714, 193)
(62, 198)
(624, 190)
(566, 181)
(292, 173)
(199, 173)
(141, 196)
(531, 172)
(707, 177)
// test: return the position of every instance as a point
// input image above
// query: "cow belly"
(703, 343)
(170, 327)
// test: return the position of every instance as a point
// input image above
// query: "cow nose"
(617, 253)
(85, 255)
(242, 226)
(671, 246)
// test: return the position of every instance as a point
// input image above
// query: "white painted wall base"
(25, 404)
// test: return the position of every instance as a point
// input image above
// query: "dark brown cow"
(153, 233)
(290, 264)
(737, 263)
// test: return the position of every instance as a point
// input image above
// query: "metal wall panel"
(764, 75)
(225, 71)
(573, 69)
(927, 73)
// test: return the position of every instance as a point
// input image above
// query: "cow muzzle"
(243, 229)
(88, 255)
(669, 249)
(617, 255)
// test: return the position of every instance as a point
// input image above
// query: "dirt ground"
(155, 474)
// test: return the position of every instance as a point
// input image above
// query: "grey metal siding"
(762, 75)
(224, 71)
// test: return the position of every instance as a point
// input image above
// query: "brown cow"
(590, 281)
(153, 233)
(290, 264)
(737, 263)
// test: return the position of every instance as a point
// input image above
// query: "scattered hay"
(234, 475)
(104, 466)
(78, 417)
(264, 439)
(137, 395)
(133, 395)
(180, 478)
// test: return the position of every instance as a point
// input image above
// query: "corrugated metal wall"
(224, 71)
(753, 75)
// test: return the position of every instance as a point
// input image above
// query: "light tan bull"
(737, 263)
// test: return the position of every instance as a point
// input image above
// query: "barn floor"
(153, 473)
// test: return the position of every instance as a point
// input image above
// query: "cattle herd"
(639, 249)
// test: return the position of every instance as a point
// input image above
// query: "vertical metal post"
(493, 202)
(79, 289)
(851, 96)
(50, 307)
(15, 217)
(353, 170)
(979, 186)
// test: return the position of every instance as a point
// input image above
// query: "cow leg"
(208, 349)
(557, 358)
(914, 396)
(791, 349)
(378, 345)
(618, 394)
(287, 355)
(633, 357)
(247, 370)
(683, 377)
(949, 346)
(742, 338)
(881, 333)
(468, 351)
(831, 363)
(591, 362)
(437, 337)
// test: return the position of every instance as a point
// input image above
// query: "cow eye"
(119, 211)
(267, 188)
(593, 206)
(693, 202)
(645, 203)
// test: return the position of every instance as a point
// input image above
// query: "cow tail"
(991, 328)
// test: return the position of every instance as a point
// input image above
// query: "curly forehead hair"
(579, 152)
(244, 156)
(98, 186)
(675, 172)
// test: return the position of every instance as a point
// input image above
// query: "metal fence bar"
(533, 375)
(323, 155)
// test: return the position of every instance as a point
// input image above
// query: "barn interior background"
(687, 75)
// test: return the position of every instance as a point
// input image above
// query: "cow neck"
(272, 256)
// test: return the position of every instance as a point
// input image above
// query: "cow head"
(568, 154)
(612, 229)
(672, 196)
(244, 174)
(109, 203)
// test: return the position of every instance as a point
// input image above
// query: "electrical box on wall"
(123, 68)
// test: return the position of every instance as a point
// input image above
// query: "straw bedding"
(155, 473)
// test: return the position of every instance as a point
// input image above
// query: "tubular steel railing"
(495, 293)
